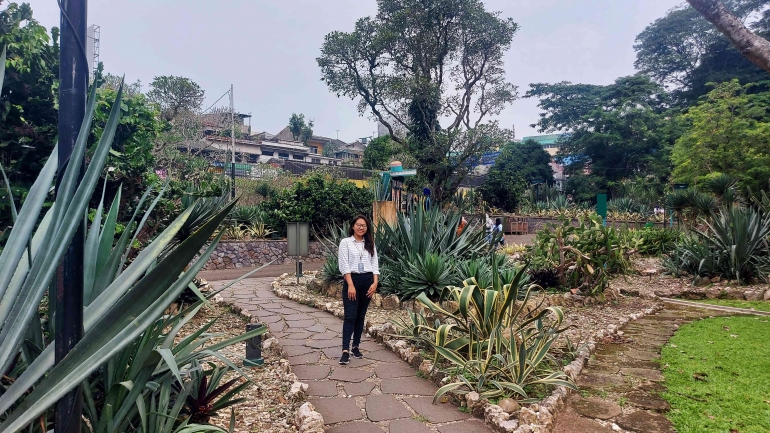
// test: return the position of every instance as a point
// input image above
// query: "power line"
(215, 102)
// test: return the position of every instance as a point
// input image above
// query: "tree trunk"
(751, 46)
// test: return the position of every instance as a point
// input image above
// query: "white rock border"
(305, 417)
(535, 418)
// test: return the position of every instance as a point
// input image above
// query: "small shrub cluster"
(583, 257)
(657, 241)
(320, 199)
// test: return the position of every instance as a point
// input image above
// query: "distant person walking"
(498, 231)
(461, 226)
(359, 266)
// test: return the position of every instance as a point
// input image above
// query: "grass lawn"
(718, 375)
(756, 305)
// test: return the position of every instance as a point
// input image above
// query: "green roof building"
(550, 142)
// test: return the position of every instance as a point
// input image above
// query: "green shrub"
(583, 256)
(320, 200)
(657, 241)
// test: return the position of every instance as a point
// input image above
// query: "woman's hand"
(351, 292)
(372, 289)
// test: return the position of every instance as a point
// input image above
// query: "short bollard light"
(254, 347)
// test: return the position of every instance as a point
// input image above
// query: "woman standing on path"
(360, 268)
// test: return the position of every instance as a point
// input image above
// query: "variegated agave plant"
(497, 341)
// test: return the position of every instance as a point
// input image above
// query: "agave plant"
(158, 356)
(426, 275)
(496, 341)
(423, 233)
(259, 230)
(739, 237)
(247, 215)
(121, 303)
(723, 186)
(733, 245)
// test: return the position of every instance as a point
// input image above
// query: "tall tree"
(418, 63)
(753, 47)
(28, 99)
(614, 132)
(175, 95)
(728, 132)
(683, 51)
(517, 165)
(300, 130)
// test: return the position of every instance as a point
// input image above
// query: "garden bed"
(583, 316)
(650, 282)
(266, 409)
(587, 320)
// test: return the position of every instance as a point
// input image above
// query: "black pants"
(355, 311)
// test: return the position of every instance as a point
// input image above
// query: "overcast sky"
(267, 49)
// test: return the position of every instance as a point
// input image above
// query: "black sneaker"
(345, 359)
(357, 353)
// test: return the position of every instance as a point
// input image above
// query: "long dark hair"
(368, 238)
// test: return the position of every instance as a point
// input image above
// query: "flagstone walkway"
(622, 382)
(376, 394)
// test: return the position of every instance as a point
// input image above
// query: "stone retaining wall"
(249, 254)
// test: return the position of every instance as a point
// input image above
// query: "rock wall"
(249, 254)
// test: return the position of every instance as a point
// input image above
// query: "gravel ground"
(650, 280)
(265, 408)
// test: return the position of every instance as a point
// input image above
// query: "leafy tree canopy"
(421, 61)
(300, 130)
(175, 95)
(29, 93)
(517, 165)
(684, 51)
(616, 131)
(728, 133)
(379, 153)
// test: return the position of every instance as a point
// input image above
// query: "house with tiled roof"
(316, 143)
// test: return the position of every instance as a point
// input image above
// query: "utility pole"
(232, 142)
(73, 86)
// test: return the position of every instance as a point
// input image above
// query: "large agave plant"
(120, 303)
(496, 340)
(422, 233)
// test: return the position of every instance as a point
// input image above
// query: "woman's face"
(359, 227)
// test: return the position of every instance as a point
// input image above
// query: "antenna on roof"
(338, 134)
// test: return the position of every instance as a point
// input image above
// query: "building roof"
(543, 139)
(286, 134)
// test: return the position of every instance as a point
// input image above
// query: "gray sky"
(267, 49)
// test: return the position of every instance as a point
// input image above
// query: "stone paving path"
(376, 394)
(622, 381)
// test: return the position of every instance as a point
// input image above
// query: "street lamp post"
(73, 85)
